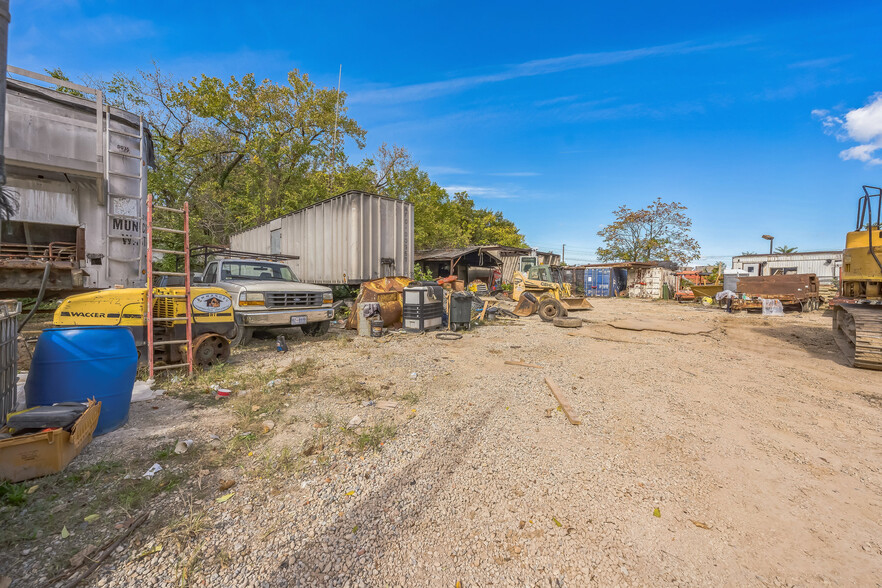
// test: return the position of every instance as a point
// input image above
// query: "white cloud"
(862, 125)
(862, 153)
(536, 67)
(481, 191)
(515, 174)
(865, 124)
(443, 170)
(821, 63)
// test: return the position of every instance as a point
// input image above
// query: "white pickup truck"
(267, 294)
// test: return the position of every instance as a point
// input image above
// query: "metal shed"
(348, 239)
(457, 261)
(78, 170)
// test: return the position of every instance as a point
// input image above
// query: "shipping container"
(347, 239)
(78, 168)
(605, 281)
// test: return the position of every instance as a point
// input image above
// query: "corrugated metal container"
(597, 281)
(348, 239)
(78, 168)
(605, 281)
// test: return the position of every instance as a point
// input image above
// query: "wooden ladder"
(151, 296)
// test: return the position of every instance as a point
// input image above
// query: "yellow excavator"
(539, 288)
(857, 311)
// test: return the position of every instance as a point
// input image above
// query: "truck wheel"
(210, 350)
(551, 308)
(243, 336)
(567, 322)
(316, 329)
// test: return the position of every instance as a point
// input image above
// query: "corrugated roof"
(450, 253)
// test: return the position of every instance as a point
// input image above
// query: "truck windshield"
(254, 270)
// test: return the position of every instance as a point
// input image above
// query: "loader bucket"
(576, 303)
(527, 305)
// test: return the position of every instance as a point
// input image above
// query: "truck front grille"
(292, 299)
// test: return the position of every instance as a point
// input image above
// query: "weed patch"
(373, 437)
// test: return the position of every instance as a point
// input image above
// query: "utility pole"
(563, 250)
(333, 163)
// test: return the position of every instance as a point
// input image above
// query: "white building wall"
(824, 264)
(648, 283)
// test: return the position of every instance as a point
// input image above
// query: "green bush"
(421, 275)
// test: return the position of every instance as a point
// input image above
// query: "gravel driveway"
(746, 456)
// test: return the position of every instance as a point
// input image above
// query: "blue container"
(605, 281)
(597, 281)
(78, 363)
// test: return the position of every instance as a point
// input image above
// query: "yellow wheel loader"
(549, 295)
(212, 329)
(857, 311)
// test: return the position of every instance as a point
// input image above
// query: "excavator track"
(857, 329)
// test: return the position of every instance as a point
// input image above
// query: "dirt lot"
(746, 456)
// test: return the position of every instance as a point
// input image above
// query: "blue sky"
(761, 117)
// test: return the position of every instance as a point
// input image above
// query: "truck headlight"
(327, 298)
(251, 299)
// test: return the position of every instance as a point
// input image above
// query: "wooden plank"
(484, 310)
(522, 364)
(564, 404)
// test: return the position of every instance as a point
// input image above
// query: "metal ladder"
(151, 296)
(119, 151)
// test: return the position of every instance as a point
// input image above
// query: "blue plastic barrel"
(79, 363)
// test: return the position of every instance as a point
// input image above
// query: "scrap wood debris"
(77, 573)
(523, 364)
(564, 403)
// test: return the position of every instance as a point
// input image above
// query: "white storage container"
(347, 239)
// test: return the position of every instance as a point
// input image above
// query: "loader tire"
(567, 322)
(549, 309)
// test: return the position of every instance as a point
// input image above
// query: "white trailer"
(347, 239)
(78, 168)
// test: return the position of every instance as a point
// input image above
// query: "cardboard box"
(48, 452)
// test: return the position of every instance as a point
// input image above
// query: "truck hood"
(270, 286)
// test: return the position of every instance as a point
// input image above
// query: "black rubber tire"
(316, 329)
(549, 309)
(567, 322)
(243, 336)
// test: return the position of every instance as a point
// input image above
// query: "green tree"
(440, 220)
(241, 152)
(658, 232)
(748, 253)
(59, 75)
(785, 249)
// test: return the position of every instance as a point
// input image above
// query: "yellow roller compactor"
(213, 323)
(857, 311)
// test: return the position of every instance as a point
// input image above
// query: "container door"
(603, 282)
(590, 276)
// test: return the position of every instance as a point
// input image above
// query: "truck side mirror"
(196, 279)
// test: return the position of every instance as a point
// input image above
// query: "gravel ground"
(748, 456)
